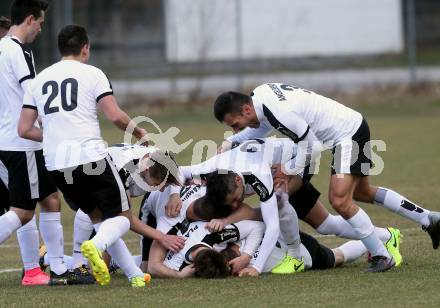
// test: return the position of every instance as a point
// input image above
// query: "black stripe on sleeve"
(103, 95)
(225, 235)
(279, 126)
(258, 186)
(304, 135)
(27, 53)
(29, 107)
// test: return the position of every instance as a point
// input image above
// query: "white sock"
(52, 234)
(289, 226)
(352, 250)
(82, 230)
(29, 242)
(337, 225)
(363, 226)
(109, 231)
(9, 222)
(397, 203)
(68, 261)
(122, 256)
(137, 260)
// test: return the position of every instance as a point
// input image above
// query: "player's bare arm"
(26, 127)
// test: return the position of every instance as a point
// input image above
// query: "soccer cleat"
(99, 268)
(393, 245)
(137, 282)
(434, 228)
(71, 277)
(35, 277)
(83, 271)
(380, 264)
(289, 265)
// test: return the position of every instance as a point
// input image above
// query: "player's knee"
(51, 203)
(339, 201)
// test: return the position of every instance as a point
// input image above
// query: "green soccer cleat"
(393, 245)
(99, 268)
(289, 265)
(139, 282)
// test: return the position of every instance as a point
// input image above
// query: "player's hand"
(172, 242)
(142, 136)
(187, 271)
(249, 271)
(173, 206)
(226, 146)
(239, 263)
(216, 225)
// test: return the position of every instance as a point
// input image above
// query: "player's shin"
(52, 233)
(82, 230)
(397, 203)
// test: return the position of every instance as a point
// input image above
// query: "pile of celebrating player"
(194, 220)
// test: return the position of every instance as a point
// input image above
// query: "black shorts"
(322, 256)
(304, 199)
(352, 155)
(103, 189)
(28, 179)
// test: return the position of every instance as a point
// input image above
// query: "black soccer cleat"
(79, 275)
(380, 264)
(434, 228)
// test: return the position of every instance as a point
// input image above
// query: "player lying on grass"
(317, 123)
(205, 255)
(250, 162)
(128, 159)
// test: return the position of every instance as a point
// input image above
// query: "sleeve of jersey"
(23, 66)
(175, 189)
(269, 211)
(206, 167)
(250, 133)
(28, 100)
(103, 86)
(253, 232)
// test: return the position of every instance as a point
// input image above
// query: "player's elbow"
(23, 130)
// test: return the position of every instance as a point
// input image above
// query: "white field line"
(9, 270)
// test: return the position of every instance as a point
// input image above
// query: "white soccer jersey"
(294, 111)
(253, 160)
(126, 158)
(66, 96)
(197, 235)
(16, 70)
(155, 205)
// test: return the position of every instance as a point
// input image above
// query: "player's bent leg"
(341, 197)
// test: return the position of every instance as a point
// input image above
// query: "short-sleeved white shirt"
(16, 70)
(66, 96)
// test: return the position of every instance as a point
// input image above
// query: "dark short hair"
(229, 253)
(230, 102)
(165, 167)
(21, 9)
(219, 185)
(71, 40)
(5, 23)
(209, 263)
(206, 210)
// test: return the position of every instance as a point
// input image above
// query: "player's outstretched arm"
(170, 242)
(26, 128)
(116, 115)
(158, 269)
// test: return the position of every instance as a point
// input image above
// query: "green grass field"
(411, 130)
